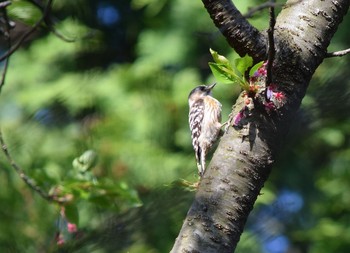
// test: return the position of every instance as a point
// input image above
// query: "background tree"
(61, 99)
(243, 160)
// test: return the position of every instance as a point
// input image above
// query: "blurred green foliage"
(121, 90)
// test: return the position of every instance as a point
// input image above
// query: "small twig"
(28, 33)
(253, 10)
(48, 20)
(8, 38)
(271, 52)
(3, 76)
(29, 181)
(338, 53)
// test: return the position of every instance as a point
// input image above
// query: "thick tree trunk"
(243, 159)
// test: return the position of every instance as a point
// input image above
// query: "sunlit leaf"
(86, 161)
(24, 11)
(106, 194)
(224, 73)
(220, 59)
(221, 73)
(242, 64)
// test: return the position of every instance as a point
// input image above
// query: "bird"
(204, 121)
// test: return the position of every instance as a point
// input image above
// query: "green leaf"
(86, 161)
(24, 12)
(221, 73)
(242, 64)
(72, 214)
(224, 73)
(115, 197)
(255, 68)
(220, 59)
(103, 201)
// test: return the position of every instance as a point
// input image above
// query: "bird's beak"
(210, 87)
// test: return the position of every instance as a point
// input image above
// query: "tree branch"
(50, 22)
(4, 4)
(271, 51)
(241, 35)
(8, 38)
(254, 10)
(30, 182)
(338, 53)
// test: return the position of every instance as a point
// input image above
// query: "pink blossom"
(276, 97)
(279, 96)
(238, 118)
(269, 93)
(262, 72)
(60, 240)
(72, 228)
(269, 106)
(272, 86)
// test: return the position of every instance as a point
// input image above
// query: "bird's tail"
(201, 165)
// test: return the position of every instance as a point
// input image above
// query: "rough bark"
(242, 162)
(241, 36)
